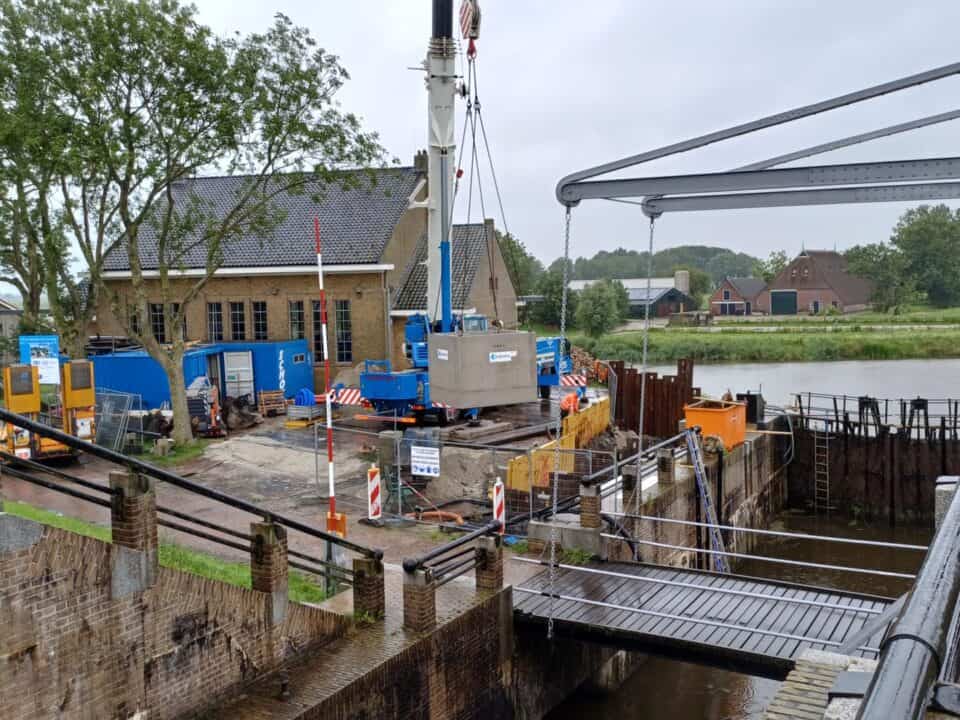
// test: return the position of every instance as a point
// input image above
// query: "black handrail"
(144, 468)
(414, 564)
(914, 652)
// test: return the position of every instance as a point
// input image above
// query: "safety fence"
(929, 418)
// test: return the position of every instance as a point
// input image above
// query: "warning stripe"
(573, 380)
(345, 396)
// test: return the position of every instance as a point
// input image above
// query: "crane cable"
(554, 532)
(637, 491)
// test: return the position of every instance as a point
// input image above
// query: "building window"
(134, 317)
(259, 319)
(238, 321)
(806, 272)
(157, 323)
(344, 332)
(297, 331)
(317, 333)
(793, 272)
(215, 322)
(726, 294)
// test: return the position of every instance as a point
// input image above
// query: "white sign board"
(500, 356)
(425, 461)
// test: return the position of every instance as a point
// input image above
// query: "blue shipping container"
(283, 365)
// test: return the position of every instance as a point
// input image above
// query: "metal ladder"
(720, 563)
(821, 469)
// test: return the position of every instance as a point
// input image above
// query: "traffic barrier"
(499, 506)
(374, 508)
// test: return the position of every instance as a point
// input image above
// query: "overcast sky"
(568, 84)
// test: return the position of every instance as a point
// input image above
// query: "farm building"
(667, 294)
(738, 296)
(815, 281)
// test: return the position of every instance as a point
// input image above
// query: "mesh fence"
(119, 420)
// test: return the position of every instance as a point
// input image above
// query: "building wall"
(806, 297)
(365, 292)
(70, 649)
(411, 227)
(481, 294)
(735, 296)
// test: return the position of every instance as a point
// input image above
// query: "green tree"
(601, 307)
(547, 310)
(771, 267)
(157, 99)
(523, 267)
(929, 239)
(894, 288)
(701, 284)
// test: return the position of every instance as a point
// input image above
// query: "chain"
(554, 531)
(643, 375)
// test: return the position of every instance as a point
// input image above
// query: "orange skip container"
(721, 418)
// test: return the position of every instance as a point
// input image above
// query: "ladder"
(821, 469)
(720, 563)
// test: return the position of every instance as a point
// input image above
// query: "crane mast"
(441, 92)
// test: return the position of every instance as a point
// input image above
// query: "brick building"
(739, 296)
(374, 239)
(814, 281)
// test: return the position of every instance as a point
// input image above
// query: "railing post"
(268, 567)
(665, 466)
(590, 505)
(133, 525)
(419, 600)
(368, 588)
(489, 563)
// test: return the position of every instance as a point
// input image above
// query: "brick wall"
(77, 652)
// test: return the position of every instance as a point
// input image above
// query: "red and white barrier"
(374, 509)
(499, 506)
(573, 380)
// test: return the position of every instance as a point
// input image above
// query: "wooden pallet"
(272, 403)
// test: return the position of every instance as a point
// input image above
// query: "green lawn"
(918, 315)
(789, 345)
(179, 454)
(302, 588)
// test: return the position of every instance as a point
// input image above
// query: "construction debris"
(583, 362)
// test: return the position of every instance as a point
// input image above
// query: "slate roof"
(827, 269)
(748, 287)
(469, 245)
(356, 223)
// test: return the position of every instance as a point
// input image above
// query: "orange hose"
(439, 515)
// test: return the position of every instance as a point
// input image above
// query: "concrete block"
(17, 533)
(131, 572)
(942, 498)
(571, 535)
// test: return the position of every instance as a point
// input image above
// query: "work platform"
(747, 624)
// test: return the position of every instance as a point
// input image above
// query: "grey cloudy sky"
(568, 84)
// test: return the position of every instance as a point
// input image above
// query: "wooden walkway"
(775, 630)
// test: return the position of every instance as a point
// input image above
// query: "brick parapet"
(369, 597)
(490, 567)
(419, 601)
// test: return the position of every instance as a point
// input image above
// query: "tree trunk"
(182, 430)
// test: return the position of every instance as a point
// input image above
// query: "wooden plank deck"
(693, 621)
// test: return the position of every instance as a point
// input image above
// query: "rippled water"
(684, 691)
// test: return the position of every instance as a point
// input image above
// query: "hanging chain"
(643, 377)
(554, 531)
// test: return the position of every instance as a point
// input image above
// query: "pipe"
(913, 654)
(442, 19)
(140, 466)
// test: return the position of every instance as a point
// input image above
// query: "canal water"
(779, 382)
(683, 691)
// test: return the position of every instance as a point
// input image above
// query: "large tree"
(156, 99)
(929, 240)
(523, 267)
(601, 307)
(771, 267)
(894, 287)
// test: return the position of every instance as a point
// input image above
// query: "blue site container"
(283, 365)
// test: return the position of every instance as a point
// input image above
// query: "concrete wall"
(890, 477)
(75, 644)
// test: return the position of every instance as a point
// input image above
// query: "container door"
(238, 373)
(783, 302)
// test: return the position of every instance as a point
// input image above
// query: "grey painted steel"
(705, 588)
(796, 198)
(801, 177)
(775, 533)
(764, 558)
(411, 565)
(853, 140)
(568, 190)
(688, 618)
(914, 651)
(139, 466)
(476, 370)
(874, 626)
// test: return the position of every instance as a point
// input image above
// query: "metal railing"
(917, 646)
(456, 558)
(925, 417)
(315, 566)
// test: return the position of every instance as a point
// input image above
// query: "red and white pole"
(374, 508)
(499, 506)
(332, 519)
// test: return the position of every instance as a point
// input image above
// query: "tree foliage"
(601, 306)
(928, 238)
(771, 267)
(893, 286)
(621, 263)
(547, 310)
(147, 98)
(524, 269)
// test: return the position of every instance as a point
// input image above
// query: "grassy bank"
(919, 315)
(667, 346)
(302, 587)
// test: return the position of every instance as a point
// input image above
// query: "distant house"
(738, 296)
(816, 280)
(667, 294)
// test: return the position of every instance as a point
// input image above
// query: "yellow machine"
(21, 390)
(79, 399)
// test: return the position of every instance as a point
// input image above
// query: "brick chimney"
(421, 162)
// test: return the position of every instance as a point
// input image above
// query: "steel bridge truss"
(759, 186)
